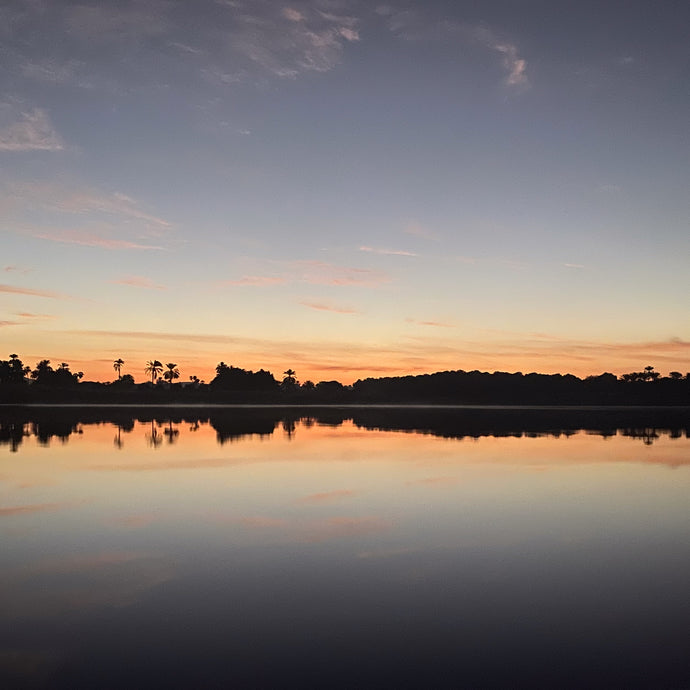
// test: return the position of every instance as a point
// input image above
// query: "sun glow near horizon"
(396, 189)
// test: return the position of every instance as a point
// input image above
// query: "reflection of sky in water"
(336, 555)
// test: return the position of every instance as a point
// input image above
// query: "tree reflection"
(648, 425)
(171, 432)
(118, 439)
(153, 438)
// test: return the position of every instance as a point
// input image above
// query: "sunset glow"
(344, 188)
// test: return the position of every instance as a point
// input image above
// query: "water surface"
(344, 548)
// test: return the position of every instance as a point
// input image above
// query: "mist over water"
(343, 548)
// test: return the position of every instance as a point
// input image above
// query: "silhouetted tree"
(172, 373)
(125, 381)
(117, 365)
(153, 367)
(289, 382)
(42, 372)
(229, 378)
(45, 375)
(650, 374)
(13, 370)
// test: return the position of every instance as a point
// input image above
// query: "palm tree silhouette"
(117, 365)
(153, 367)
(172, 373)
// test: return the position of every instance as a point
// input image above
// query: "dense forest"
(20, 384)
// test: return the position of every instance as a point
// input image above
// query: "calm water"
(337, 548)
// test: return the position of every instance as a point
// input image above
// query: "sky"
(345, 188)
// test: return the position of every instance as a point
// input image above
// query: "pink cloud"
(255, 281)
(327, 307)
(313, 273)
(437, 324)
(418, 230)
(264, 522)
(34, 508)
(322, 273)
(326, 497)
(13, 289)
(29, 315)
(434, 481)
(344, 527)
(135, 521)
(140, 282)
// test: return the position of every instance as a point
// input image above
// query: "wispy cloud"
(311, 272)
(418, 230)
(327, 496)
(288, 41)
(323, 273)
(10, 323)
(433, 481)
(436, 324)
(33, 508)
(88, 239)
(610, 188)
(32, 131)
(254, 281)
(106, 23)
(139, 282)
(16, 269)
(390, 252)
(83, 216)
(15, 290)
(329, 307)
(81, 201)
(345, 527)
(264, 522)
(515, 65)
(30, 316)
(416, 25)
(53, 71)
(574, 265)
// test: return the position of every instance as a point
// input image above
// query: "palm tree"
(172, 373)
(153, 367)
(117, 365)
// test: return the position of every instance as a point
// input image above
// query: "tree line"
(19, 383)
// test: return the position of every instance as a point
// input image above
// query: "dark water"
(344, 548)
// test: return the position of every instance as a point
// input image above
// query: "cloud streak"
(34, 508)
(312, 273)
(139, 282)
(89, 239)
(254, 281)
(327, 307)
(290, 41)
(326, 497)
(413, 25)
(32, 131)
(436, 324)
(387, 252)
(15, 290)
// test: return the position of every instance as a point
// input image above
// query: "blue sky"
(345, 188)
